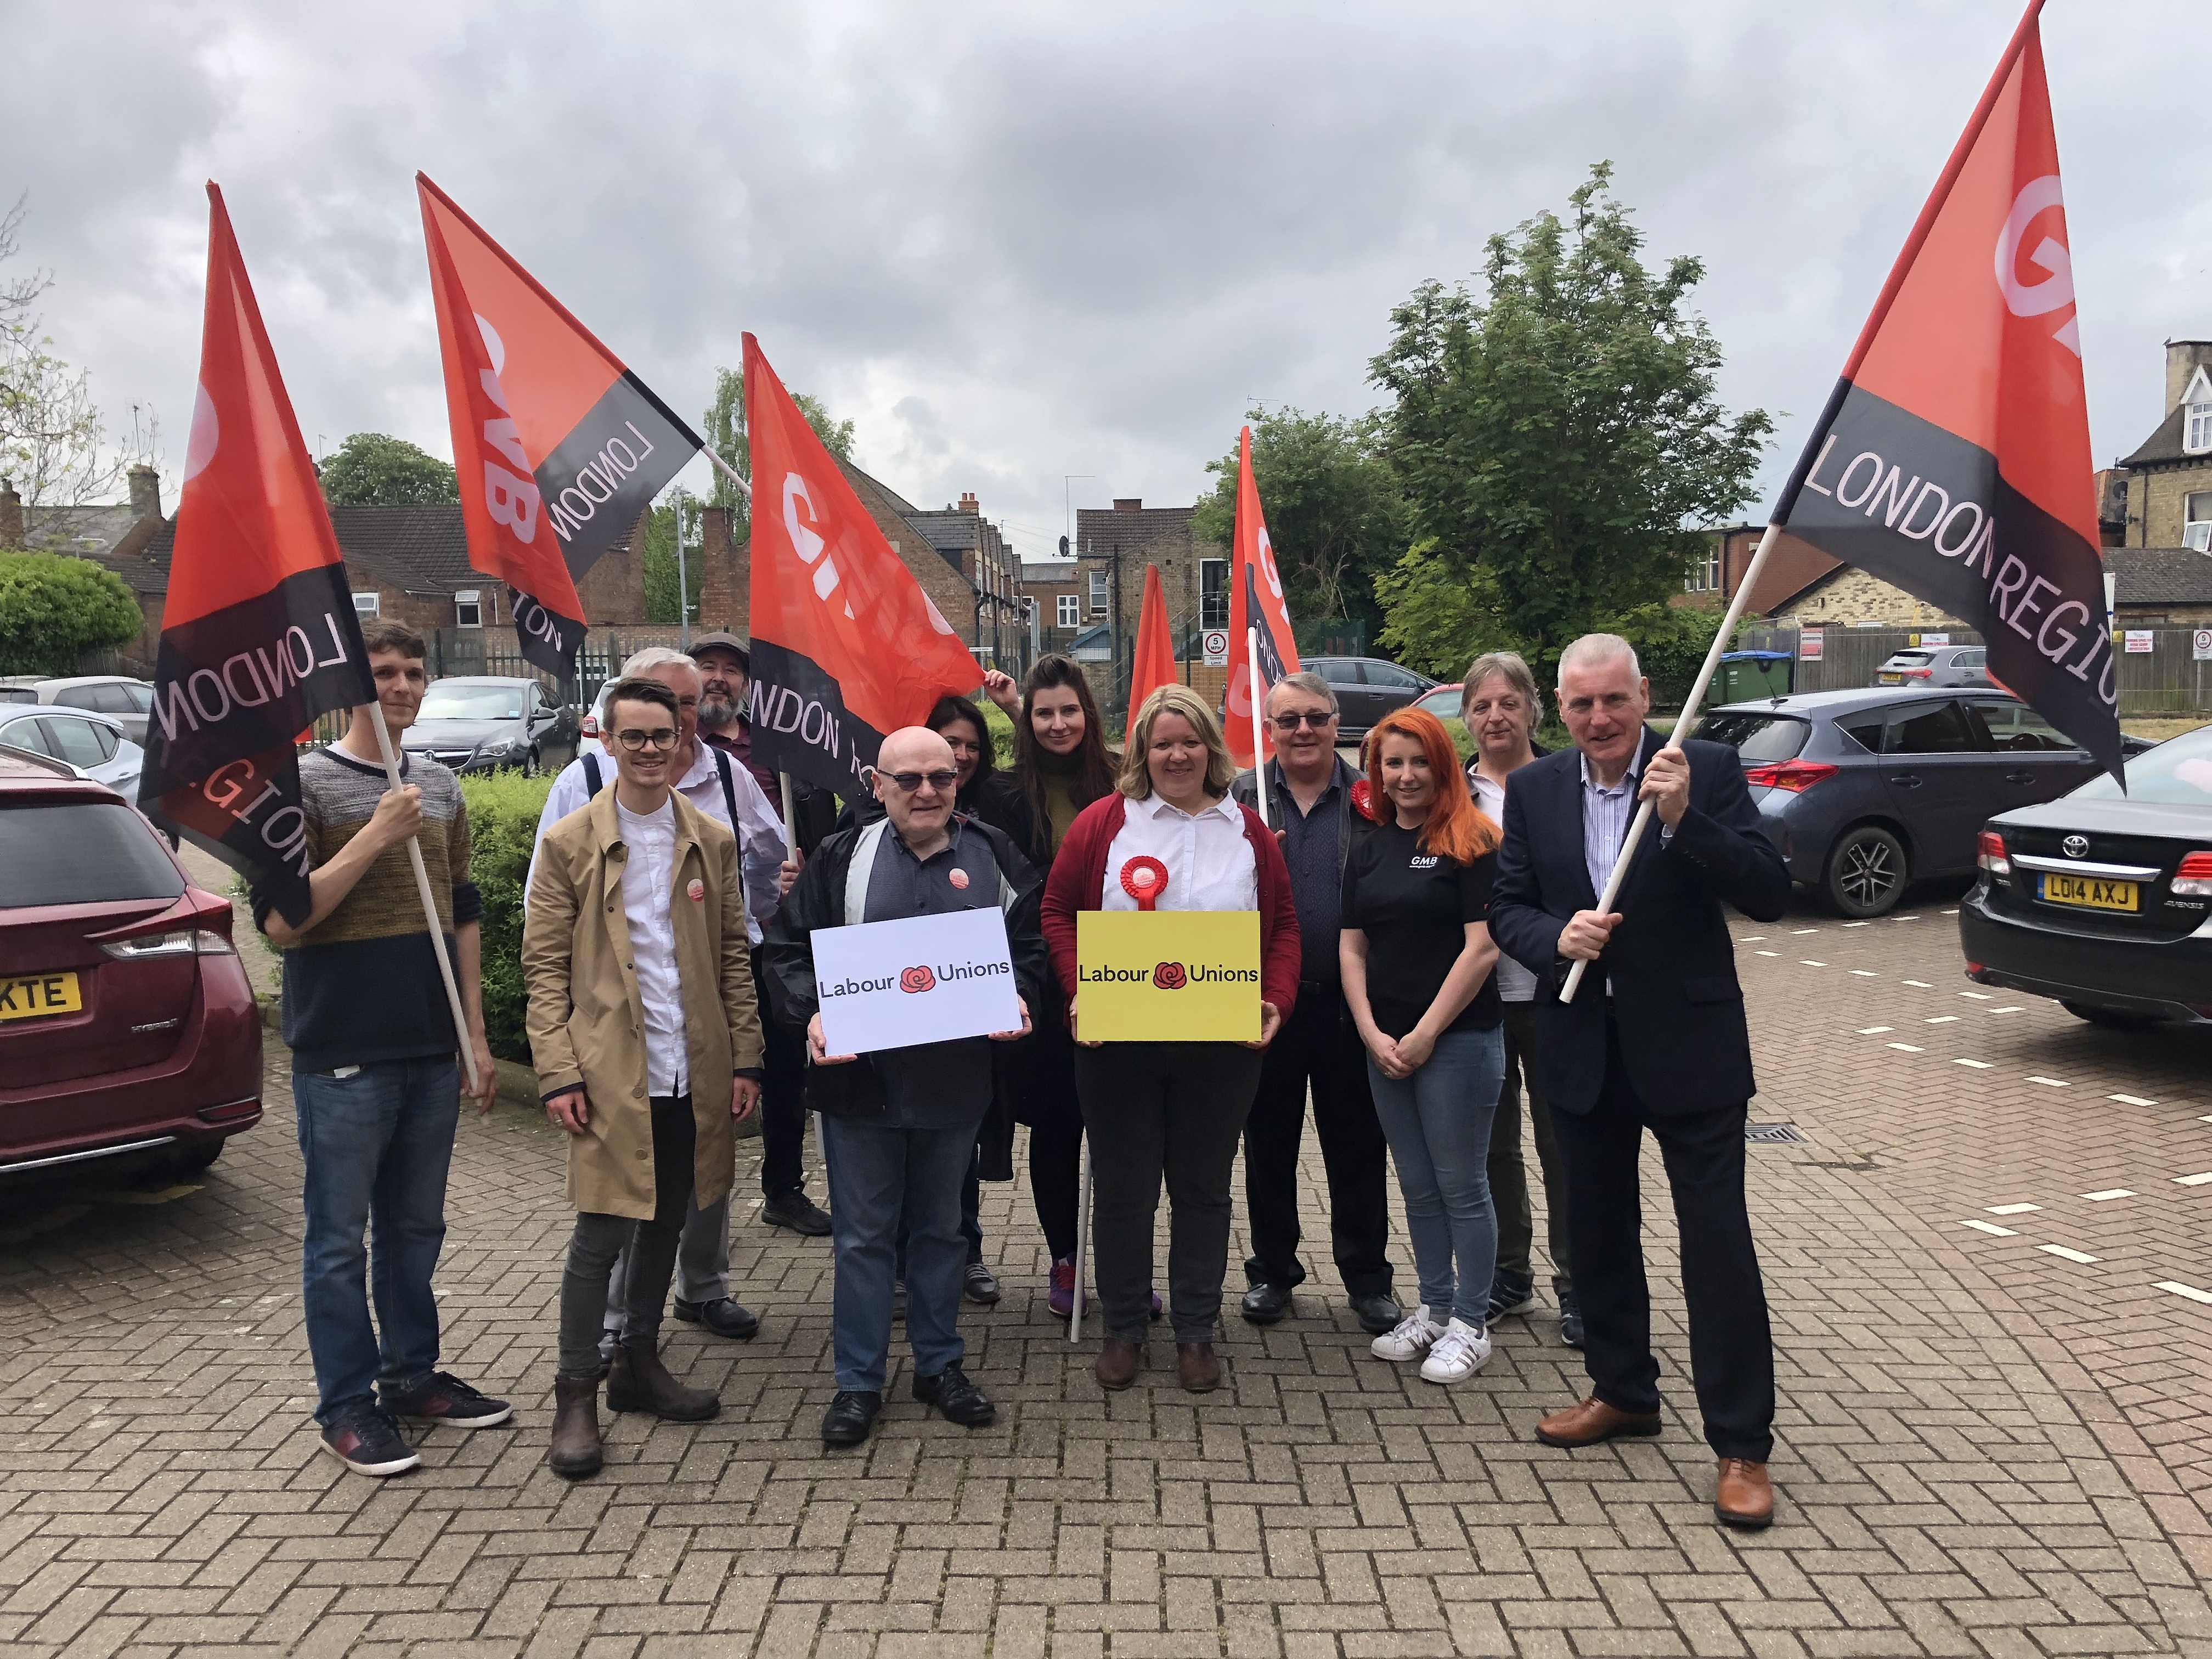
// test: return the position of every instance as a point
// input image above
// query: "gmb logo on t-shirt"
(1424, 861)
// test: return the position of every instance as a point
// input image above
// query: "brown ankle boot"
(574, 1452)
(1197, 1367)
(1118, 1363)
(639, 1382)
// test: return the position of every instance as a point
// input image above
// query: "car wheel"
(530, 764)
(2113, 1019)
(1867, 872)
(190, 1160)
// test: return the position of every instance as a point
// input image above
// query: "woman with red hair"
(1417, 955)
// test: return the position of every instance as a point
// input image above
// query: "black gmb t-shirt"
(1414, 907)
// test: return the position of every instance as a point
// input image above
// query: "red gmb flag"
(1953, 459)
(557, 448)
(258, 632)
(1256, 601)
(846, 647)
(1155, 663)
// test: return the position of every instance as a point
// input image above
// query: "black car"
(2104, 901)
(477, 724)
(1367, 689)
(1866, 792)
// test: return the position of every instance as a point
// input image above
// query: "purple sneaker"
(1156, 1305)
(1061, 1300)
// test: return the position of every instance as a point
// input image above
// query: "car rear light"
(2194, 878)
(229, 1113)
(1990, 854)
(1918, 673)
(1975, 971)
(1794, 775)
(178, 942)
(196, 925)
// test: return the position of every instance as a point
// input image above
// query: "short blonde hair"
(1136, 779)
(1515, 672)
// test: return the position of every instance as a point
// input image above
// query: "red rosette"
(1362, 798)
(1143, 879)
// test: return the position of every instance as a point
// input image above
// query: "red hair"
(1456, 827)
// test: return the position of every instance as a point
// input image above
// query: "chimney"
(145, 492)
(966, 500)
(2182, 359)
(1128, 504)
(11, 515)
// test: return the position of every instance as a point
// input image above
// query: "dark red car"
(127, 1027)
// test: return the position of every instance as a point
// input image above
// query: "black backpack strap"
(729, 789)
(591, 773)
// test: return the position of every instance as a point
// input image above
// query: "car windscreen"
(472, 703)
(2178, 772)
(79, 853)
(1756, 738)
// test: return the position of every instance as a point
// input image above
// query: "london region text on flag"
(846, 647)
(1256, 601)
(1953, 459)
(557, 448)
(259, 633)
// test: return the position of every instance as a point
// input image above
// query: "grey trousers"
(702, 1262)
(1509, 1173)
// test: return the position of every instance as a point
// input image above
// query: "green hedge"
(503, 809)
(53, 609)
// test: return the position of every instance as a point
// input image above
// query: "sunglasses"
(1292, 722)
(633, 739)
(910, 781)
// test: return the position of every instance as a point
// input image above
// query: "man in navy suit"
(1654, 1039)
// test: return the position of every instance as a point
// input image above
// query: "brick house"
(964, 538)
(1052, 589)
(2165, 488)
(1112, 545)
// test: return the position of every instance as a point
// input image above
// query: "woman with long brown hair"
(1062, 764)
(1416, 957)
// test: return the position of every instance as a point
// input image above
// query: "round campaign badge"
(698, 890)
(958, 878)
(1143, 879)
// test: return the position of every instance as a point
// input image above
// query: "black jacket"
(817, 900)
(1350, 821)
(1671, 962)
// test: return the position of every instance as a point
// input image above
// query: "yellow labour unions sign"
(1167, 975)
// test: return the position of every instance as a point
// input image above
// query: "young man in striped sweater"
(374, 1078)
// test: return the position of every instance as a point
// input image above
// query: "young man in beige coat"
(642, 1024)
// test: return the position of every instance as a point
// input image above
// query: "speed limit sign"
(1217, 647)
(2200, 646)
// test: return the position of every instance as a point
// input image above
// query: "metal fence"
(2159, 673)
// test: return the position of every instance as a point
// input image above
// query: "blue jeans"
(1438, 1122)
(377, 1146)
(877, 1175)
(971, 1214)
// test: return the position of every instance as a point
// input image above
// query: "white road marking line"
(1978, 996)
(1858, 924)
(1907, 1048)
(2109, 1195)
(2132, 1100)
(1865, 973)
(1994, 1230)
(2016, 1008)
(1801, 931)
(2193, 1181)
(1754, 938)
(1905, 918)
(2189, 1290)
(2065, 1254)
(1804, 961)
(2206, 1118)
(1978, 1064)
(1950, 913)
(1944, 1019)
(1921, 983)
(1876, 1030)
(2011, 1209)
(1767, 953)
(2051, 1082)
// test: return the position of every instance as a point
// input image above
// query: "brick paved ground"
(1984, 1447)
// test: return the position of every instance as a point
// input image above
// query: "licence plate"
(1891, 679)
(33, 996)
(2089, 893)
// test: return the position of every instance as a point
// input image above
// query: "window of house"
(2197, 521)
(367, 604)
(1213, 592)
(468, 609)
(1704, 575)
(1097, 593)
(1070, 611)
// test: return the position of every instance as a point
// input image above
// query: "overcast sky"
(1018, 241)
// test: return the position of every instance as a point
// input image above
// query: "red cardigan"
(1078, 882)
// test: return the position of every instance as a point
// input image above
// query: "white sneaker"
(1461, 1351)
(1415, 1332)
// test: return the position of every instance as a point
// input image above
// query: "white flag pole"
(1690, 705)
(728, 472)
(790, 827)
(1258, 721)
(429, 907)
(1082, 1242)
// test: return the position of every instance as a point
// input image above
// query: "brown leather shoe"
(1199, 1371)
(638, 1381)
(1745, 1497)
(574, 1452)
(1591, 1422)
(1119, 1361)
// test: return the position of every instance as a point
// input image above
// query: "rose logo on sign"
(1168, 976)
(917, 979)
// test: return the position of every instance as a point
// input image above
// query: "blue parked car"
(1866, 792)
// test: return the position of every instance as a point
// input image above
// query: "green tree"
(1335, 515)
(371, 468)
(725, 424)
(661, 565)
(54, 608)
(1559, 438)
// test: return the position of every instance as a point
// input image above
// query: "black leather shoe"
(1266, 1304)
(849, 1416)
(1571, 1320)
(1378, 1315)
(951, 1393)
(723, 1316)
(980, 1285)
(796, 1212)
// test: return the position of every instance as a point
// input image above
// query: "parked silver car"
(92, 745)
(1926, 666)
(122, 699)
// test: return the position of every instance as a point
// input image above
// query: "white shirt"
(1209, 862)
(1515, 982)
(760, 834)
(649, 875)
